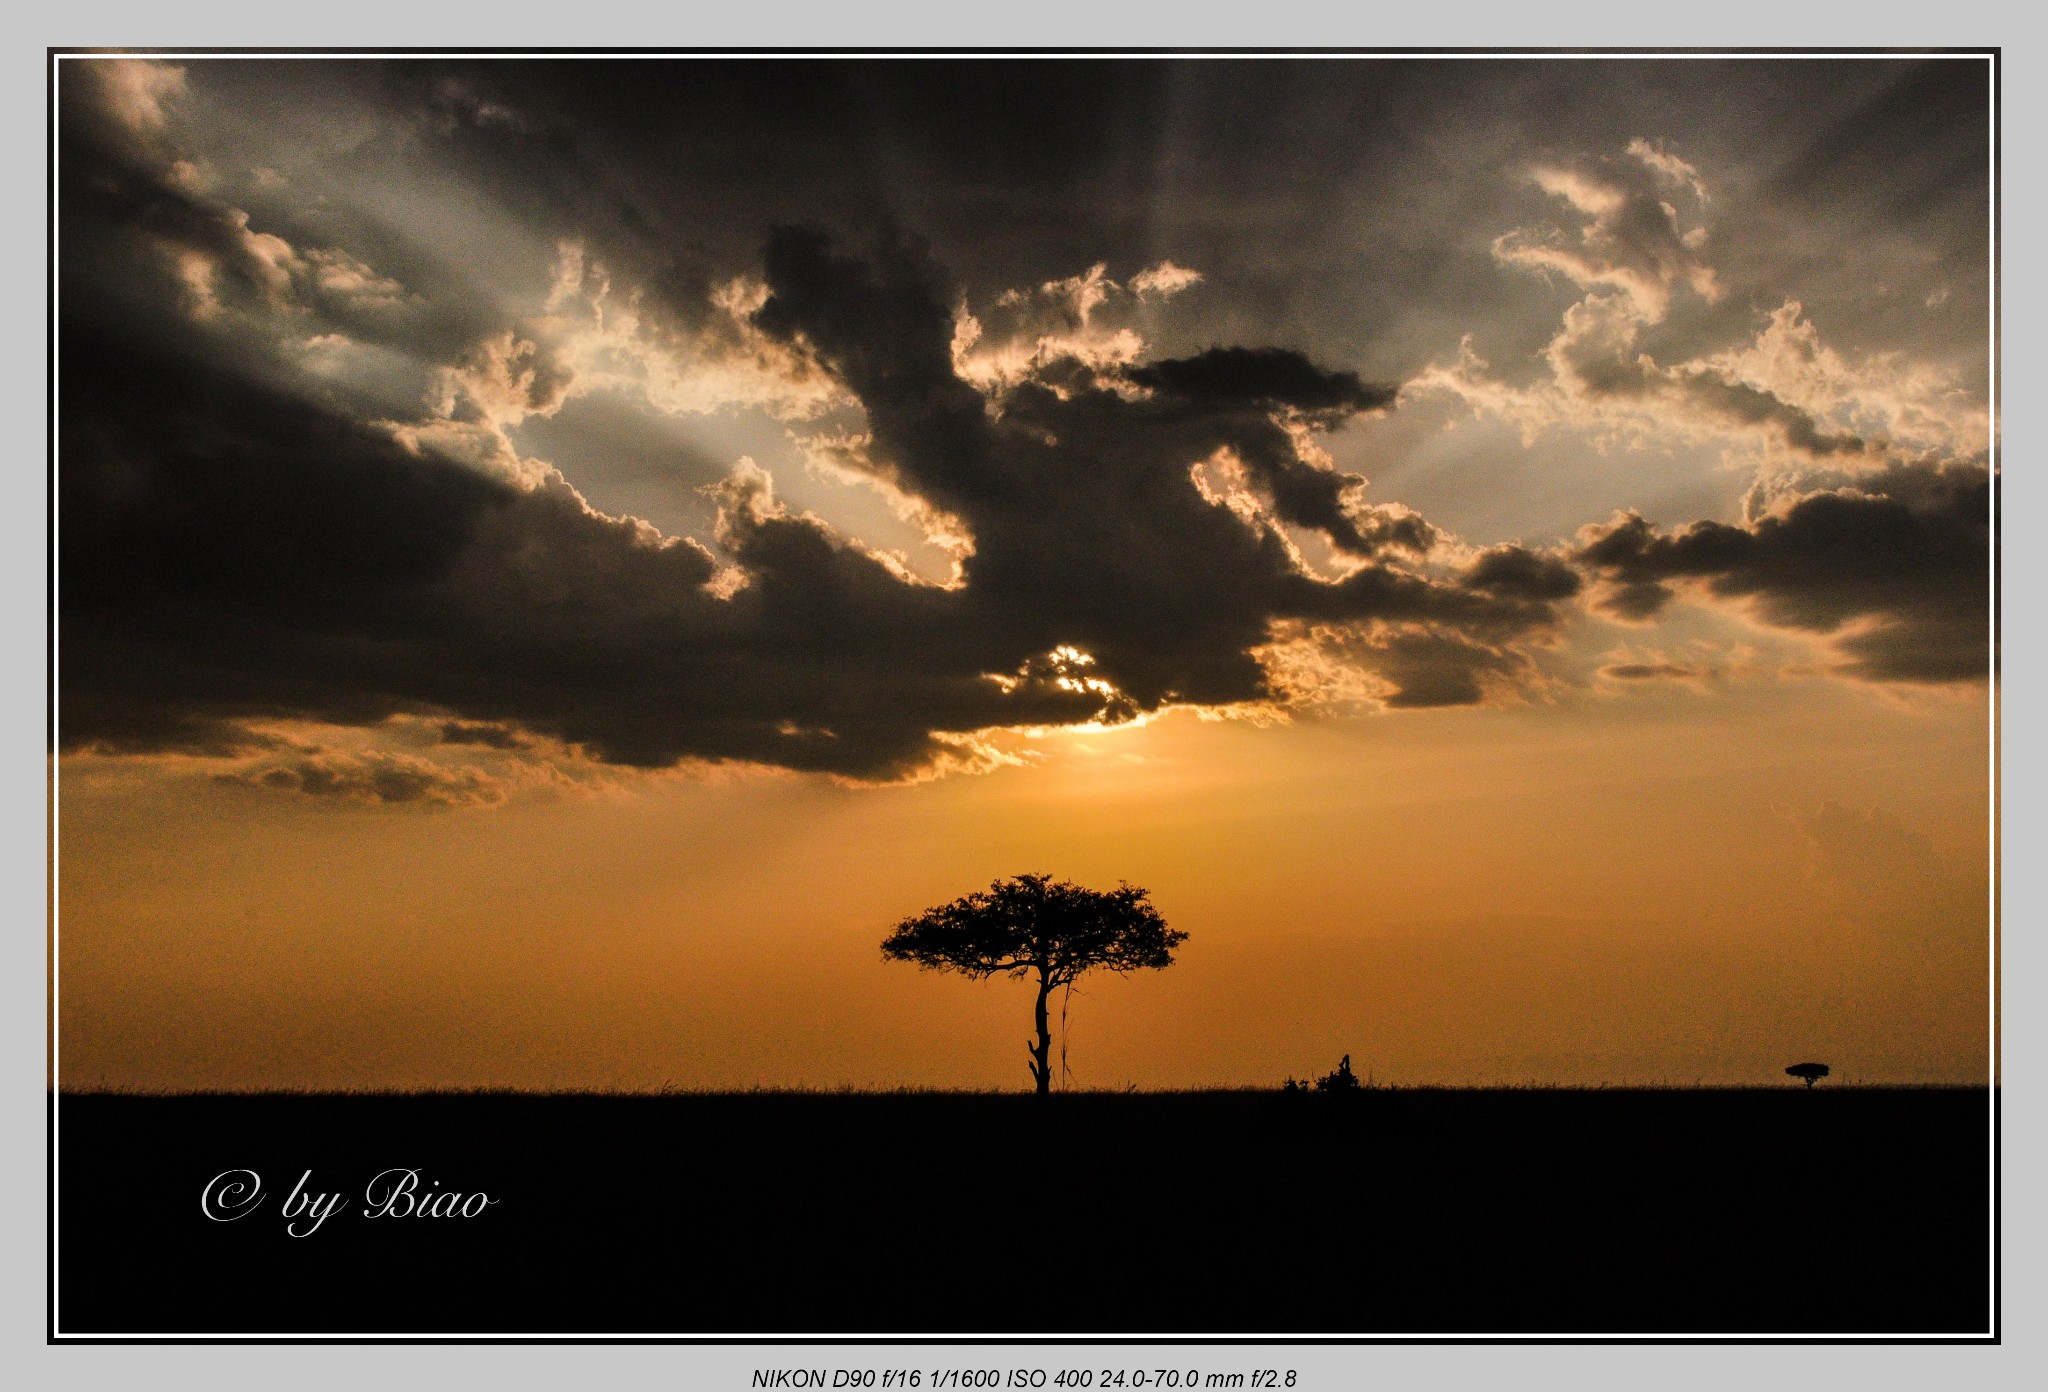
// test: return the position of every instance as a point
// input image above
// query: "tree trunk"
(1041, 1053)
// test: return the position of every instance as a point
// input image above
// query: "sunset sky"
(557, 557)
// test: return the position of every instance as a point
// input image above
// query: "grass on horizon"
(854, 1090)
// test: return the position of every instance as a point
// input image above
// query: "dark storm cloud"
(1438, 668)
(235, 552)
(1267, 377)
(249, 273)
(1898, 558)
(245, 539)
(1251, 386)
(1338, 205)
(1087, 528)
(1513, 571)
(1342, 206)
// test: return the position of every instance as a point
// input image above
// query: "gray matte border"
(1278, 23)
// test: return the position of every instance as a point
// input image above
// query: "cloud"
(374, 776)
(237, 552)
(487, 735)
(1877, 868)
(133, 91)
(845, 457)
(1515, 572)
(1084, 321)
(1813, 392)
(1429, 666)
(290, 488)
(1651, 671)
(1630, 667)
(1784, 395)
(1603, 384)
(1632, 240)
(1268, 395)
(1846, 843)
(612, 337)
(1088, 529)
(1163, 280)
(1893, 565)
(221, 261)
(1668, 166)
(157, 237)
(593, 338)
(1270, 377)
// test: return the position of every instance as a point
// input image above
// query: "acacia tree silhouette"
(1034, 923)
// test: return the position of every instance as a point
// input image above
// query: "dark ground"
(1840, 1211)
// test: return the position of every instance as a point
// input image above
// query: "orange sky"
(1644, 887)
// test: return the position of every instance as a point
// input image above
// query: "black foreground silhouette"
(1360, 1211)
(1034, 923)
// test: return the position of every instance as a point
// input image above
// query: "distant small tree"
(1810, 1072)
(1036, 925)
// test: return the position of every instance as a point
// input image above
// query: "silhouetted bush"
(1341, 1080)
(1810, 1072)
(1338, 1079)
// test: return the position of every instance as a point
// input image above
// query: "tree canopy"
(1036, 923)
